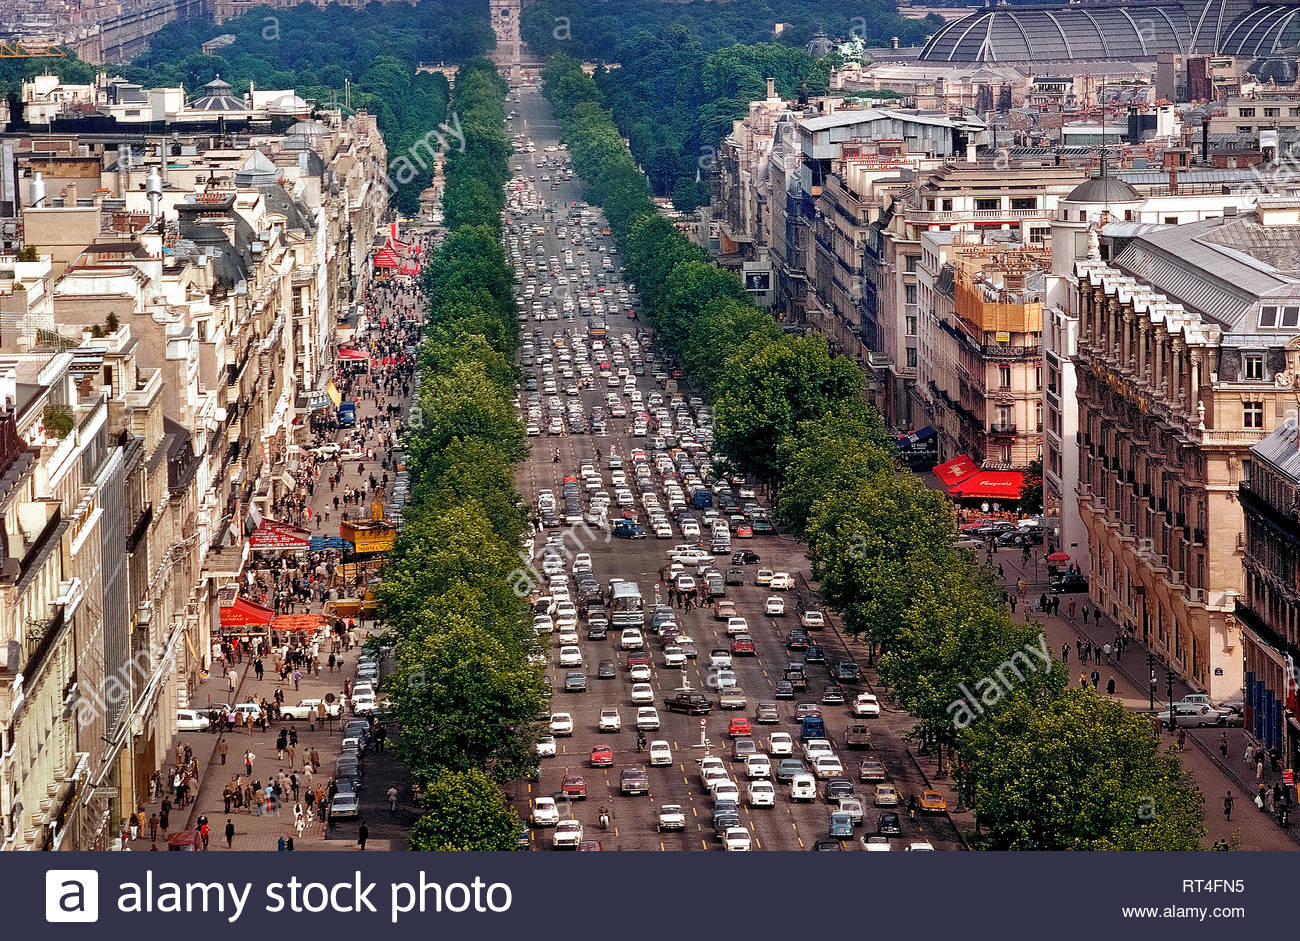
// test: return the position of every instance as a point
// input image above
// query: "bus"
(628, 610)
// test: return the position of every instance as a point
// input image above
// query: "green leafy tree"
(467, 813)
(1031, 493)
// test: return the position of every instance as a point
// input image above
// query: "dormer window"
(1285, 317)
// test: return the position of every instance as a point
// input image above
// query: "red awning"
(386, 258)
(956, 470)
(245, 613)
(990, 485)
(348, 353)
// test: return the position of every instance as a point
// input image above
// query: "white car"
(813, 748)
(920, 846)
(568, 636)
(191, 720)
(674, 657)
(737, 625)
(690, 529)
(671, 817)
(642, 692)
(660, 754)
(662, 530)
(721, 657)
(571, 656)
(546, 746)
(866, 705)
(781, 581)
(561, 723)
(803, 787)
(647, 717)
(736, 840)
(780, 743)
(639, 673)
(774, 606)
(544, 813)
(812, 620)
(567, 836)
(762, 794)
(610, 720)
(631, 639)
(874, 843)
(827, 766)
(758, 766)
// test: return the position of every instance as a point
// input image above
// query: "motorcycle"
(604, 821)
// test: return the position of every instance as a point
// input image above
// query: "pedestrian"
(1065, 653)
(380, 735)
(1259, 769)
(1072, 606)
(1227, 806)
(230, 833)
(1096, 678)
(248, 762)
(392, 799)
(1223, 745)
(363, 834)
(1106, 650)
(1083, 681)
(1110, 686)
(222, 749)
(153, 827)
(1250, 751)
(1085, 614)
(204, 832)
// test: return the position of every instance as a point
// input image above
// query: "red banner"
(271, 534)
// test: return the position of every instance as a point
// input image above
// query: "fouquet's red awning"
(349, 353)
(386, 258)
(989, 485)
(244, 613)
(956, 470)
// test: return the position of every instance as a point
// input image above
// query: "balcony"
(998, 351)
(1002, 428)
(974, 215)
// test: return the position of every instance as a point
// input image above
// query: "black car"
(827, 846)
(814, 653)
(797, 639)
(575, 681)
(838, 788)
(1067, 584)
(1021, 537)
(832, 695)
(744, 557)
(887, 824)
(597, 630)
(724, 821)
(606, 670)
(692, 704)
(735, 575)
(784, 689)
(634, 781)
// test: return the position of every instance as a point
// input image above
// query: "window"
(1038, 234)
(1024, 202)
(202, 326)
(911, 357)
(1270, 316)
(988, 205)
(911, 326)
(947, 205)
(1290, 316)
(1171, 220)
(1245, 129)
(1252, 414)
(1253, 366)
(909, 293)
(1004, 376)
(910, 262)
(1270, 112)
(1038, 416)
(1038, 378)
(1246, 113)
(929, 205)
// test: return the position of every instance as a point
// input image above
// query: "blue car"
(841, 825)
(625, 529)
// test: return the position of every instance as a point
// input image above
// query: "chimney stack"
(771, 89)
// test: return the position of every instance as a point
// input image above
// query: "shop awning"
(956, 470)
(244, 613)
(297, 622)
(349, 353)
(989, 485)
(914, 437)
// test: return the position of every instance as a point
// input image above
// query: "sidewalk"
(1214, 777)
(262, 832)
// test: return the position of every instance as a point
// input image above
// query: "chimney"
(771, 88)
(893, 42)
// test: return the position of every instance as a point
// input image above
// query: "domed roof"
(820, 45)
(288, 104)
(218, 96)
(1104, 189)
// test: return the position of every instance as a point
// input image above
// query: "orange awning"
(297, 622)
(990, 485)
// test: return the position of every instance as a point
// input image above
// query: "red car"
(639, 659)
(602, 756)
(574, 787)
(742, 645)
(744, 531)
(738, 727)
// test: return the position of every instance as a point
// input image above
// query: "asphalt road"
(787, 826)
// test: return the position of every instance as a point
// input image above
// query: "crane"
(18, 50)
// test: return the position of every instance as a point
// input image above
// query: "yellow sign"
(375, 540)
(1002, 336)
(335, 395)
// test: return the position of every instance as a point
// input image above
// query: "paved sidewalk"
(262, 832)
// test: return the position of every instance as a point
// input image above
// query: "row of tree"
(1044, 767)
(465, 696)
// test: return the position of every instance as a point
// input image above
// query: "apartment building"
(980, 341)
(1256, 113)
(1187, 356)
(160, 341)
(1269, 610)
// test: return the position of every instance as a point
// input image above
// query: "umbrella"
(1058, 557)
